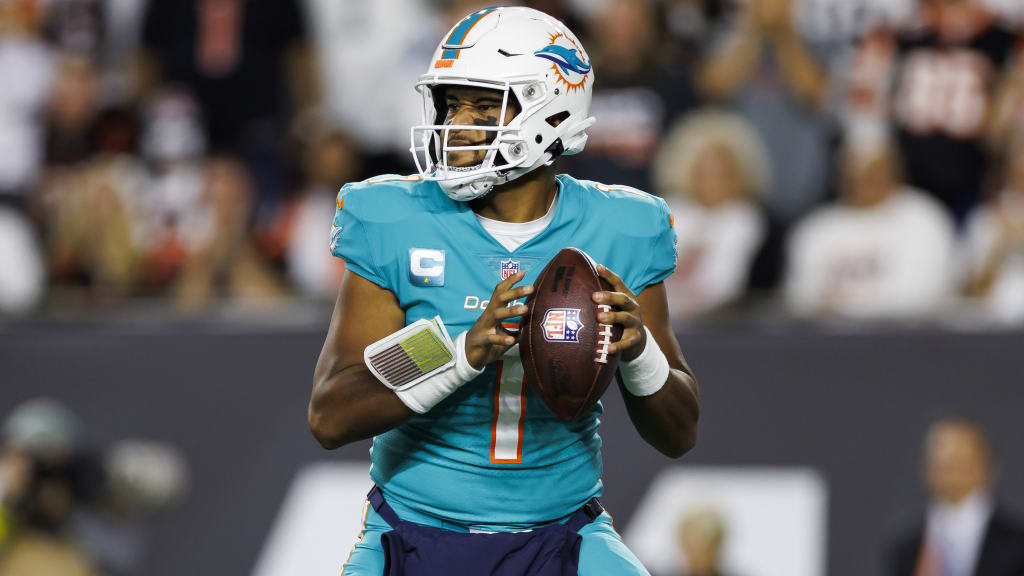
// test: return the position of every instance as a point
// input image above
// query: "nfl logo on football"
(562, 325)
(508, 268)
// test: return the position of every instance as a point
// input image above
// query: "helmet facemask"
(503, 147)
(508, 153)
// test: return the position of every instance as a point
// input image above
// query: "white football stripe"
(510, 410)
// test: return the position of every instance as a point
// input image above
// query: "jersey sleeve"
(662, 250)
(351, 240)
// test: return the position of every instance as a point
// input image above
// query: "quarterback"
(472, 473)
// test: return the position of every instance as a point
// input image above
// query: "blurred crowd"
(832, 158)
(68, 509)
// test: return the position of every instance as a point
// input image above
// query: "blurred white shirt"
(716, 248)
(371, 54)
(1005, 300)
(311, 266)
(22, 273)
(956, 531)
(894, 260)
(171, 204)
(26, 67)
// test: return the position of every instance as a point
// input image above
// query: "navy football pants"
(602, 552)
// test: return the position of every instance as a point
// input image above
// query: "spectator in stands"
(89, 227)
(79, 202)
(883, 251)
(331, 160)
(965, 531)
(701, 536)
(26, 67)
(45, 477)
(180, 221)
(766, 70)
(710, 169)
(74, 108)
(401, 34)
(638, 92)
(248, 66)
(937, 80)
(227, 262)
(994, 245)
(172, 216)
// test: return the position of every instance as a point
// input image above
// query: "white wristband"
(421, 397)
(648, 372)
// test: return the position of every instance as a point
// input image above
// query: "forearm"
(657, 384)
(668, 418)
(728, 68)
(802, 72)
(352, 405)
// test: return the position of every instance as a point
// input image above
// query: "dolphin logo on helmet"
(567, 59)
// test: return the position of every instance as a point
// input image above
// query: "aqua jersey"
(490, 456)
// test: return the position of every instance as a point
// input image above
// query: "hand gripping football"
(563, 348)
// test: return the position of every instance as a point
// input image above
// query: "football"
(563, 348)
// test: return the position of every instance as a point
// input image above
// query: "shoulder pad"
(631, 206)
(386, 198)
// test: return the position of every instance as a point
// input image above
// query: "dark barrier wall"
(852, 405)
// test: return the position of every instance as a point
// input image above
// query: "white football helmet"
(528, 56)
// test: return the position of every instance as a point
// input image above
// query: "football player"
(473, 474)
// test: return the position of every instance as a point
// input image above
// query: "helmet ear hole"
(555, 119)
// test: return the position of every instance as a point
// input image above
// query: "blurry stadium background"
(847, 182)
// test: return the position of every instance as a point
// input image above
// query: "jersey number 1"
(509, 413)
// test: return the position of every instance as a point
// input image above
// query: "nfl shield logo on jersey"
(509, 268)
(562, 325)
